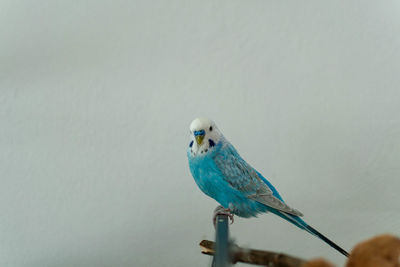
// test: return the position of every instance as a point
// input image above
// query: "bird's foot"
(222, 211)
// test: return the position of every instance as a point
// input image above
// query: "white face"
(204, 136)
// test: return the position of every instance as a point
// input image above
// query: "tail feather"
(328, 241)
(303, 225)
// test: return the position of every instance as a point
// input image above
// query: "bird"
(222, 174)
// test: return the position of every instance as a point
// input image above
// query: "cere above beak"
(199, 135)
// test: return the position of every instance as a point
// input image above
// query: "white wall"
(96, 99)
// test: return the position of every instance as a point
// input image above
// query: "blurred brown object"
(380, 251)
(317, 263)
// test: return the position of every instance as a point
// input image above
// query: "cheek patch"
(211, 143)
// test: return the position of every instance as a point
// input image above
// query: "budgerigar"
(222, 174)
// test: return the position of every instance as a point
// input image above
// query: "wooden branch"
(252, 256)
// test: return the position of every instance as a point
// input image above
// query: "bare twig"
(252, 256)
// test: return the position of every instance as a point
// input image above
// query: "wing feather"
(244, 178)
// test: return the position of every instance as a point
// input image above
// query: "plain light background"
(96, 98)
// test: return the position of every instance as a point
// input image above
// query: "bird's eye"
(210, 128)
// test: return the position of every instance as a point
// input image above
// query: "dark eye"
(210, 128)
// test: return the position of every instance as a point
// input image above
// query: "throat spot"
(197, 150)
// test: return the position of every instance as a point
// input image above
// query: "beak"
(199, 139)
(199, 135)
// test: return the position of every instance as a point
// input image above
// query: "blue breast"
(211, 181)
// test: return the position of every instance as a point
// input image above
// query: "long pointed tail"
(328, 241)
(303, 225)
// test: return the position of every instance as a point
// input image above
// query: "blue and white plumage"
(222, 174)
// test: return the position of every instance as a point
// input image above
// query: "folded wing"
(244, 178)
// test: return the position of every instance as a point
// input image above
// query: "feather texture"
(223, 175)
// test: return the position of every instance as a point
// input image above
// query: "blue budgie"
(222, 174)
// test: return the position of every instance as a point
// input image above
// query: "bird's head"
(204, 135)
